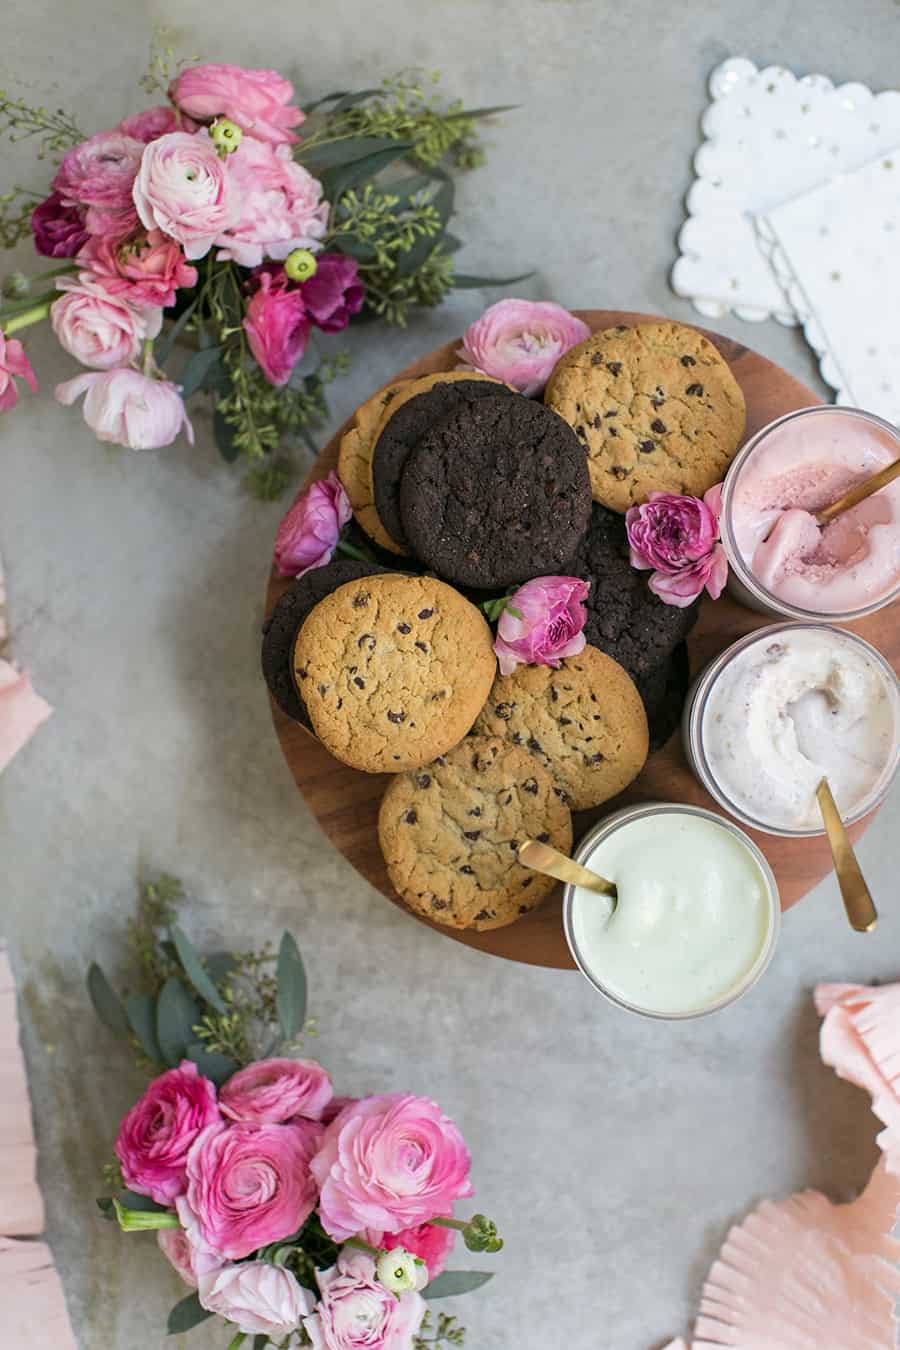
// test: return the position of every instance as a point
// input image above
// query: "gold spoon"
(542, 858)
(859, 493)
(858, 902)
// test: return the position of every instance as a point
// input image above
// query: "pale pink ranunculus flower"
(388, 1163)
(187, 1260)
(150, 123)
(281, 205)
(183, 188)
(127, 408)
(98, 174)
(259, 101)
(270, 1091)
(14, 364)
(356, 1312)
(542, 624)
(259, 1298)
(277, 326)
(147, 271)
(309, 532)
(677, 536)
(157, 1134)
(520, 341)
(99, 329)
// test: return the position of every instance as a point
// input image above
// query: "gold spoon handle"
(858, 902)
(542, 858)
(859, 493)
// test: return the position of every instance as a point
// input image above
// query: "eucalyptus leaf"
(291, 996)
(210, 1063)
(337, 181)
(404, 189)
(450, 243)
(260, 1341)
(464, 281)
(454, 1282)
(345, 151)
(105, 1206)
(193, 969)
(142, 1018)
(199, 370)
(107, 1004)
(176, 1016)
(326, 98)
(163, 348)
(220, 965)
(224, 434)
(355, 248)
(414, 257)
(346, 101)
(186, 1314)
(142, 1203)
(481, 112)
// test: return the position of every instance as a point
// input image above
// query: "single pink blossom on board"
(258, 1297)
(99, 175)
(270, 1091)
(147, 271)
(127, 408)
(520, 341)
(334, 293)
(14, 364)
(281, 205)
(308, 534)
(158, 1132)
(277, 327)
(182, 188)
(149, 124)
(677, 536)
(99, 329)
(356, 1312)
(542, 624)
(58, 229)
(259, 101)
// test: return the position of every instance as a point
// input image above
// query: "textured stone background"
(614, 1152)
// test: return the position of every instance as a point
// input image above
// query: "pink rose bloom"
(99, 329)
(58, 229)
(190, 1263)
(334, 293)
(99, 174)
(127, 408)
(270, 1091)
(677, 537)
(389, 1163)
(308, 534)
(156, 1135)
(281, 205)
(356, 1312)
(146, 271)
(431, 1244)
(248, 1185)
(258, 100)
(520, 341)
(183, 189)
(13, 364)
(149, 124)
(277, 328)
(258, 1297)
(547, 626)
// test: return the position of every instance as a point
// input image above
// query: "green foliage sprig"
(54, 129)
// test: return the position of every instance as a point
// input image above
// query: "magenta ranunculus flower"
(258, 100)
(248, 1185)
(127, 408)
(270, 1091)
(356, 1312)
(309, 532)
(190, 1264)
(147, 271)
(158, 1132)
(281, 205)
(99, 174)
(14, 364)
(258, 1297)
(542, 624)
(334, 293)
(99, 329)
(678, 538)
(277, 327)
(149, 124)
(183, 189)
(58, 229)
(429, 1242)
(520, 341)
(388, 1163)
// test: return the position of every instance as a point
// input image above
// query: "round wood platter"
(345, 802)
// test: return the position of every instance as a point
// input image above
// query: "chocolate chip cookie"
(281, 628)
(355, 463)
(450, 833)
(496, 493)
(663, 691)
(584, 722)
(655, 407)
(393, 670)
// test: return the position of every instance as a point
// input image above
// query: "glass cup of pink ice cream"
(781, 562)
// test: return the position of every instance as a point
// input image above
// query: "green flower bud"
(400, 1271)
(480, 1235)
(300, 265)
(136, 1220)
(16, 285)
(225, 135)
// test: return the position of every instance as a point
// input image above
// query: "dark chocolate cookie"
(497, 493)
(664, 691)
(404, 428)
(282, 626)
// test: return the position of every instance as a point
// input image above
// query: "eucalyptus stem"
(352, 551)
(25, 318)
(458, 1224)
(13, 307)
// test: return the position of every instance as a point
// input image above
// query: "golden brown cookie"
(393, 670)
(656, 408)
(584, 722)
(355, 463)
(450, 833)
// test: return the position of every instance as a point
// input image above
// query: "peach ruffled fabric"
(22, 710)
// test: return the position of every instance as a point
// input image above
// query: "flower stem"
(24, 318)
(54, 272)
(13, 307)
(147, 364)
(137, 1220)
(238, 1340)
(363, 1246)
(352, 551)
(458, 1224)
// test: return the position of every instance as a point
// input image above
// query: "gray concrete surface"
(614, 1152)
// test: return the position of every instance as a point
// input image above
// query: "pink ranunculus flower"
(249, 1185)
(14, 364)
(356, 1312)
(431, 1243)
(281, 205)
(277, 328)
(258, 100)
(187, 1260)
(149, 124)
(183, 189)
(147, 271)
(58, 229)
(259, 1298)
(335, 1107)
(678, 538)
(99, 329)
(270, 1091)
(308, 534)
(542, 624)
(127, 408)
(158, 1132)
(389, 1163)
(520, 341)
(334, 293)
(99, 174)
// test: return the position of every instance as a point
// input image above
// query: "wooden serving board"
(345, 802)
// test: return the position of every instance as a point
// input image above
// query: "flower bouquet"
(300, 1217)
(209, 217)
